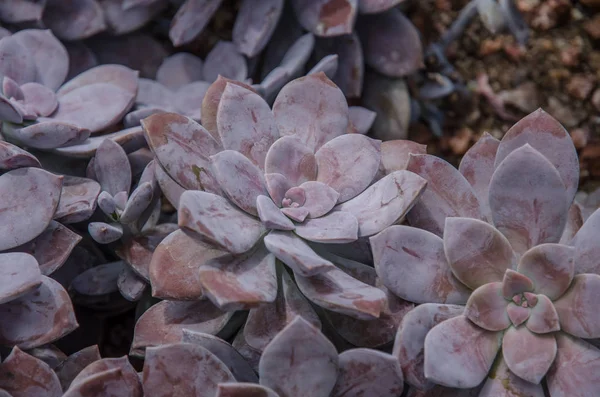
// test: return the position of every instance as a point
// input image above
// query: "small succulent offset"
(529, 279)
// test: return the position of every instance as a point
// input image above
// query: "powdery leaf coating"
(117, 75)
(515, 283)
(244, 390)
(51, 248)
(527, 199)
(110, 382)
(361, 119)
(225, 60)
(37, 318)
(12, 156)
(131, 139)
(313, 109)
(49, 354)
(327, 17)
(502, 382)
(271, 216)
(486, 307)
(137, 203)
(20, 274)
(98, 280)
(477, 166)
(476, 252)
(23, 375)
(121, 21)
(130, 285)
(448, 194)
(319, 198)
(179, 69)
(29, 197)
(255, 24)
(17, 61)
(152, 93)
(39, 98)
(129, 381)
(22, 11)
(459, 354)
(517, 314)
(191, 19)
(574, 223)
(295, 253)
(299, 362)
(188, 99)
(365, 372)
(349, 74)
(576, 368)
(411, 264)
(182, 147)
(337, 227)
(327, 65)
(171, 190)
(51, 134)
(78, 199)
(550, 267)
(74, 20)
(11, 89)
(105, 233)
(289, 157)
(10, 111)
(543, 317)
(528, 355)
(577, 307)
(546, 135)
(391, 43)
(240, 282)
(76, 362)
(587, 249)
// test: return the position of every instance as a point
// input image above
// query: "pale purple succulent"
(529, 278)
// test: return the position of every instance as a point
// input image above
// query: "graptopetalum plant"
(502, 238)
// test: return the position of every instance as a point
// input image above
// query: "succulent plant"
(528, 278)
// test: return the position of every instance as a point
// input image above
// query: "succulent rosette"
(528, 279)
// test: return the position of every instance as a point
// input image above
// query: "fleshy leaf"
(17, 61)
(39, 98)
(448, 194)
(527, 199)
(30, 194)
(366, 372)
(574, 223)
(50, 134)
(128, 380)
(81, 58)
(543, 318)
(411, 263)
(171, 190)
(20, 273)
(22, 11)
(477, 253)
(75, 363)
(327, 17)
(459, 354)
(319, 198)
(40, 317)
(131, 139)
(546, 135)
(23, 375)
(11, 89)
(179, 69)
(244, 390)
(105, 233)
(188, 99)
(10, 111)
(587, 249)
(240, 282)
(293, 160)
(137, 203)
(75, 21)
(271, 216)
(361, 119)
(313, 109)
(517, 314)
(515, 283)
(337, 227)
(278, 185)
(299, 362)
(295, 253)
(117, 75)
(528, 355)
(349, 75)
(327, 65)
(225, 60)
(77, 199)
(98, 280)
(577, 307)
(130, 285)
(122, 21)
(12, 156)
(502, 382)
(550, 267)
(486, 307)
(191, 19)
(111, 379)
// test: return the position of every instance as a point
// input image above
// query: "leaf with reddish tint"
(587, 249)
(292, 159)
(26, 193)
(105, 233)
(543, 317)
(164, 323)
(550, 267)
(271, 216)
(17, 61)
(547, 136)
(239, 367)
(337, 227)
(448, 194)
(51, 134)
(409, 346)
(411, 263)
(111, 379)
(23, 375)
(391, 43)
(244, 390)
(98, 280)
(459, 354)
(299, 361)
(515, 283)
(74, 20)
(517, 314)
(191, 19)
(11, 89)
(40, 98)
(361, 119)
(179, 69)
(37, 318)
(476, 252)
(365, 372)
(224, 60)
(117, 75)
(129, 380)
(254, 25)
(12, 156)
(20, 273)
(576, 368)
(477, 166)
(171, 190)
(528, 355)
(49, 354)
(486, 307)
(577, 308)
(76, 362)
(327, 18)
(319, 198)
(131, 139)
(502, 382)
(527, 199)
(295, 253)
(349, 74)
(313, 109)
(130, 285)
(77, 199)
(574, 223)
(327, 65)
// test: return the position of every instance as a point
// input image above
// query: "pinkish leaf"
(529, 208)
(299, 361)
(547, 136)
(395, 155)
(255, 24)
(130, 285)
(528, 355)
(111, 167)
(188, 99)
(361, 119)
(171, 189)
(131, 139)
(225, 60)
(40, 317)
(319, 198)
(191, 19)
(76, 362)
(477, 166)
(327, 18)
(12, 156)
(575, 370)
(135, 117)
(543, 317)
(577, 307)
(278, 185)
(515, 283)
(23, 375)
(502, 382)
(295, 253)
(153, 94)
(293, 160)
(11, 89)
(50, 134)
(121, 21)
(10, 111)
(20, 273)
(240, 282)
(296, 214)
(22, 11)
(337, 227)
(164, 322)
(40, 98)
(129, 380)
(574, 223)
(365, 372)
(477, 253)
(98, 280)
(244, 390)
(111, 379)
(139, 200)
(77, 199)
(410, 339)
(587, 249)
(459, 354)
(271, 216)
(183, 147)
(245, 123)
(49, 354)
(376, 6)
(313, 109)
(550, 267)
(117, 75)
(349, 74)
(29, 194)
(486, 307)
(17, 61)
(448, 194)
(105, 233)
(179, 69)
(411, 264)
(391, 43)
(517, 314)
(76, 20)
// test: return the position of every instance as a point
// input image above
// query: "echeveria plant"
(529, 278)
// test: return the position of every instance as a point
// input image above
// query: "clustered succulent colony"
(274, 240)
